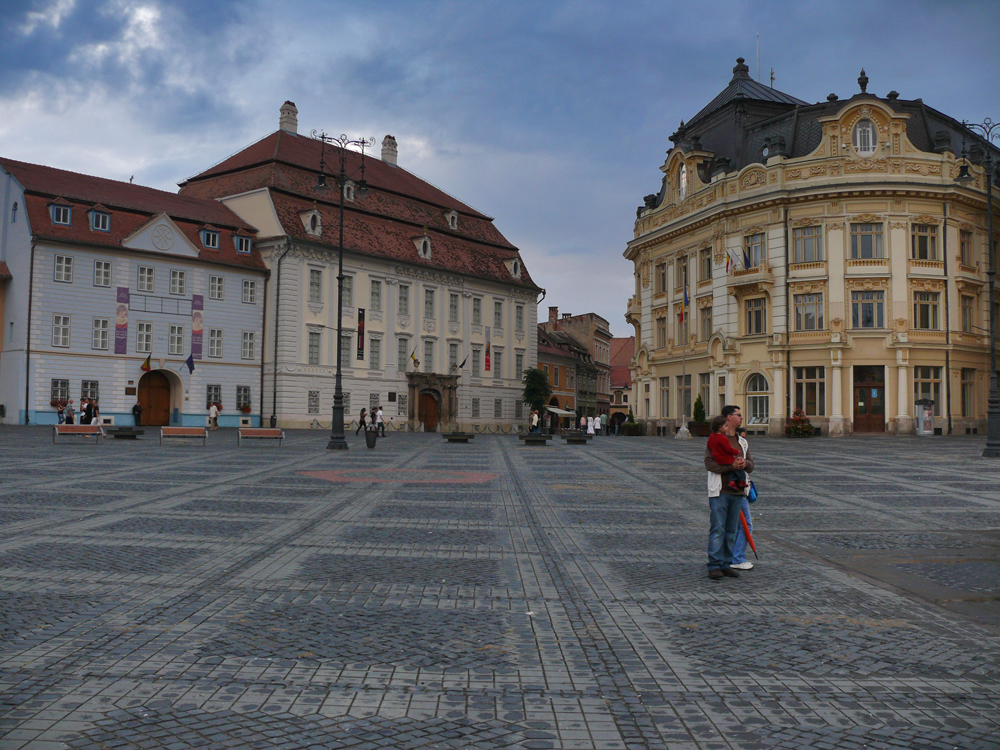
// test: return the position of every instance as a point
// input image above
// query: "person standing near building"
(583, 424)
(69, 413)
(379, 424)
(95, 412)
(86, 411)
(362, 421)
(740, 561)
(724, 507)
(604, 424)
(137, 414)
(213, 416)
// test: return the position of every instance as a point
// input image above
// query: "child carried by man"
(723, 453)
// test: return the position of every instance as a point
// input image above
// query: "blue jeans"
(740, 548)
(725, 518)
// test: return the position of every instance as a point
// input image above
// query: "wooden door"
(869, 399)
(428, 412)
(154, 398)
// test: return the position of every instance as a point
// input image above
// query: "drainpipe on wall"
(277, 312)
(27, 338)
(788, 326)
(263, 348)
(947, 321)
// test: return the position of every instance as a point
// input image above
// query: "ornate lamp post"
(989, 132)
(337, 439)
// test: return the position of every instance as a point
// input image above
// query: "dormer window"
(100, 221)
(423, 244)
(682, 182)
(865, 138)
(312, 221)
(210, 239)
(514, 267)
(243, 244)
(349, 191)
(452, 217)
(62, 215)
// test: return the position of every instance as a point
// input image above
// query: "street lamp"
(987, 131)
(337, 439)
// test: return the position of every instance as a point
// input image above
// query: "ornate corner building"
(830, 261)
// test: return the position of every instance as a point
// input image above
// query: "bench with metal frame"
(259, 433)
(83, 430)
(184, 433)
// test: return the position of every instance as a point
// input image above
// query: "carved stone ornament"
(867, 219)
(403, 320)
(315, 328)
(968, 286)
(897, 225)
(927, 285)
(719, 256)
(865, 112)
(966, 227)
(644, 273)
(756, 229)
(835, 225)
(704, 302)
(835, 170)
(374, 316)
(923, 169)
(427, 275)
(430, 324)
(793, 174)
(453, 328)
(867, 165)
(315, 307)
(868, 283)
(774, 176)
(660, 312)
(926, 219)
(808, 287)
(819, 169)
(754, 177)
(807, 222)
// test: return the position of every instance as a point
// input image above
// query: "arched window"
(682, 182)
(758, 401)
(865, 138)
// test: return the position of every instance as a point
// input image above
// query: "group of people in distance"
(373, 421)
(90, 412)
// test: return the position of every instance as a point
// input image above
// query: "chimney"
(389, 151)
(553, 314)
(567, 316)
(289, 120)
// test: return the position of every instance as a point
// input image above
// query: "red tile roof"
(131, 207)
(622, 351)
(4, 272)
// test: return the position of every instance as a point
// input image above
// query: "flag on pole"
(147, 365)
(746, 259)
(729, 261)
(463, 362)
(487, 348)
(684, 306)
(413, 354)
(190, 363)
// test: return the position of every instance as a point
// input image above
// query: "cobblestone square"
(492, 595)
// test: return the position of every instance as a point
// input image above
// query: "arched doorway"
(427, 410)
(154, 398)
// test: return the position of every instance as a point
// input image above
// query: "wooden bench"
(535, 438)
(458, 437)
(184, 432)
(259, 433)
(84, 430)
(125, 433)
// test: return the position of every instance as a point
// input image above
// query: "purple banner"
(121, 321)
(197, 324)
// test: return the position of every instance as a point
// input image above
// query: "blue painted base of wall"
(126, 420)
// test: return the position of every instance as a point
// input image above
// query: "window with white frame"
(242, 397)
(704, 390)
(497, 314)
(682, 182)
(518, 409)
(347, 402)
(555, 376)
(102, 273)
(498, 408)
(452, 357)
(313, 402)
(519, 366)
(660, 278)
(808, 244)
(90, 389)
(144, 280)
(175, 340)
(249, 342)
(374, 354)
(216, 287)
(214, 342)
(497, 364)
(452, 308)
(477, 311)
(965, 243)
(810, 390)
(868, 309)
(144, 338)
(705, 264)
(348, 286)
(59, 390)
(314, 344)
(100, 221)
(402, 405)
(62, 215)
(925, 310)
(664, 397)
(519, 318)
(477, 355)
(428, 356)
(404, 299)
(210, 239)
(63, 269)
(705, 323)
(808, 312)
(755, 249)
(923, 242)
(475, 408)
(756, 316)
(375, 296)
(429, 305)
(681, 282)
(315, 285)
(345, 351)
(249, 292)
(866, 241)
(684, 395)
(243, 244)
(758, 402)
(60, 330)
(101, 334)
(968, 391)
(402, 354)
(927, 384)
(865, 137)
(178, 282)
(968, 311)
(661, 333)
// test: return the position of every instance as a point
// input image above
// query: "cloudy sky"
(553, 117)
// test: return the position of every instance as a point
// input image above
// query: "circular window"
(865, 138)
(682, 182)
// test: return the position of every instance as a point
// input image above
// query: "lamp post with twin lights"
(988, 132)
(337, 439)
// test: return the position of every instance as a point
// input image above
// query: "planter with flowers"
(246, 408)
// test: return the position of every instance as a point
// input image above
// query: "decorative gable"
(514, 267)
(312, 220)
(161, 235)
(452, 218)
(423, 244)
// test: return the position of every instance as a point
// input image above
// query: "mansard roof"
(743, 86)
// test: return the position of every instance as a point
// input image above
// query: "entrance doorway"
(869, 398)
(427, 411)
(154, 398)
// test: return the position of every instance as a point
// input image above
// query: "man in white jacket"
(725, 507)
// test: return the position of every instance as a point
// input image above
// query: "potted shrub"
(799, 425)
(699, 425)
(246, 408)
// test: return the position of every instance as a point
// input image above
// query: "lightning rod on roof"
(772, 78)
(758, 57)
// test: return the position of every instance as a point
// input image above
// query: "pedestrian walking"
(379, 423)
(604, 424)
(740, 561)
(137, 414)
(362, 421)
(590, 426)
(61, 411)
(69, 413)
(534, 420)
(724, 506)
(95, 412)
(86, 411)
(213, 416)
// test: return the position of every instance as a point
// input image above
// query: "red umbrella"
(746, 530)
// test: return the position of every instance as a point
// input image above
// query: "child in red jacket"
(724, 453)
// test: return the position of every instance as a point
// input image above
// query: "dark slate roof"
(743, 85)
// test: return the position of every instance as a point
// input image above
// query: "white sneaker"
(742, 566)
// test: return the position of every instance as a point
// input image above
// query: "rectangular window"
(101, 333)
(429, 304)
(477, 355)
(216, 288)
(810, 390)
(213, 395)
(452, 308)
(402, 354)
(705, 323)
(249, 292)
(144, 338)
(404, 299)
(661, 333)
(518, 409)
(347, 403)
(756, 310)
(475, 408)
(64, 269)
(968, 308)
(705, 264)
(102, 273)
(498, 408)
(402, 405)
(175, 341)
(247, 351)
(808, 312)
(374, 354)
(375, 298)
(315, 285)
(214, 342)
(211, 239)
(868, 309)
(497, 364)
(345, 351)
(348, 286)
(704, 390)
(100, 221)
(60, 330)
(477, 311)
(243, 244)
(497, 314)
(428, 356)
(808, 244)
(452, 358)
(664, 398)
(90, 389)
(61, 214)
(59, 390)
(923, 242)
(927, 384)
(660, 276)
(965, 242)
(682, 273)
(684, 395)
(754, 248)
(866, 241)
(313, 403)
(519, 318)
(925, 310)
(314, 344)
(519, 366)
(177, 282)
(145, 280)
(968, 392)
(242, 396)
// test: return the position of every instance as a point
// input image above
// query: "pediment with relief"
(161, 235)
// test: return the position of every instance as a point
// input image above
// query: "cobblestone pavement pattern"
(491, 595)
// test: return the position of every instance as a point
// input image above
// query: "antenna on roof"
(772, 78)
(758, 57)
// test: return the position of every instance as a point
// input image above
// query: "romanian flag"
(729, 262)
(413, 354)
(147, 365)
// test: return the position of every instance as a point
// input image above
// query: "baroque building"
(430, 285)
(831, 262)
(122, 293)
